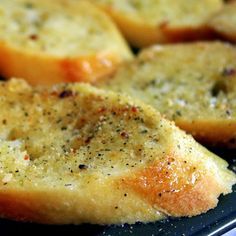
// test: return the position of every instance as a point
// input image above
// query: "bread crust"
(74, 154)
(46, 68)
(141, 33)
(66, 207)
(40, 69)
(221, 133)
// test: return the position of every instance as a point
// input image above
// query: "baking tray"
(214, 222)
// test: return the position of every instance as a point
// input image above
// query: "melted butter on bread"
(193, 84)
(99, 157)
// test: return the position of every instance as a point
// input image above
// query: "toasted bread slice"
(75, 154)
(192, 84)
(155, 21)
(53, 41)
(224, 22)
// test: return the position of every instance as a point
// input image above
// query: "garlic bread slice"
(76, 154)
(192, 84)
(47, 42)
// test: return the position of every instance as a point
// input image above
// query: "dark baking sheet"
(215, 222)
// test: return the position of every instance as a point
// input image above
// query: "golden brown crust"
(69, 207)
(184, 196)
(49, 70)
(187, 34)
(220, 133)
(17, 206)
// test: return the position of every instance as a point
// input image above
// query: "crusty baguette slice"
(75, 154)
(192, 84)
(53, 41)
(224, 22)
(156, 21)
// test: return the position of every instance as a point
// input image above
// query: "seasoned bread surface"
(224, 22)
(192, 84)
(54, 41)
(75, 154)
(157, 21)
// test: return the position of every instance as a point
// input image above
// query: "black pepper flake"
(125, 194)
(178, 113)
(65, 94)
(144, 131)
(66, 185)
(159, 194)
(83, 167)
(59, 120)
(228, 113)
(4, 121)
(116, 207)
(152, 82)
